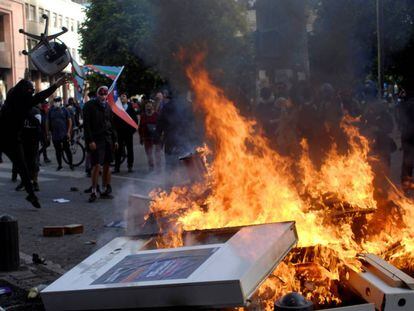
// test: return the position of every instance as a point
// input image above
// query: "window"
(1, 28)
(26, 7)
(60, 21)
(47, 12)
(72, 25)
(54, 20)
(67, 22)
(32, 13)
(41, 12)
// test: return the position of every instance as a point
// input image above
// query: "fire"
(247, 182)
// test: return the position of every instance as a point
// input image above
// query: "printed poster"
(156, 266)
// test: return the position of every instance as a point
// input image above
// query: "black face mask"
(23, 90)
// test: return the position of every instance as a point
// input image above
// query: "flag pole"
(116, 78)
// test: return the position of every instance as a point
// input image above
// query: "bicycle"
(77, 148)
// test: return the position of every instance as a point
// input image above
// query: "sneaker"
(20, 187)
(59, 168)
(130, 170)
(107, 193)
(36, 186)
(14, 177)
(47, 160)
(108, 189)
(93, 197)
(89, 190)
(32, 198)
(72, 167)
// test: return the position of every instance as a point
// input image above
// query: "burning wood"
(248, 182)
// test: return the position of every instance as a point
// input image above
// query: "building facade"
(27, 14)
(13, 63)
(61, 13)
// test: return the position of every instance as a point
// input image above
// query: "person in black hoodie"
(19, 102)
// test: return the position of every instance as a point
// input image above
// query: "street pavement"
(69, 250)
(63, 253)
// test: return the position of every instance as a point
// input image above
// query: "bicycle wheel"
(78, 154)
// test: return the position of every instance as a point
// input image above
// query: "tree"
(110, 34)
(146, 35)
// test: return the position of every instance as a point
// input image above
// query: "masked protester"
(60, 125)
(148, 136)
(101, 140)
(19, 102)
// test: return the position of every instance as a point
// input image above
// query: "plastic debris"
(5, 290)
(35, 291)
(61, 200)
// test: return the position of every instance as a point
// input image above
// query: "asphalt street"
(69, 250)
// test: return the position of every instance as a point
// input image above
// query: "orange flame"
(248, 183)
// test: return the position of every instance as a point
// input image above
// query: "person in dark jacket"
(169, 130)
(101, 139)
(148, 136)
(125, 134)
(31, 134)
(60, 125)
(19, 102)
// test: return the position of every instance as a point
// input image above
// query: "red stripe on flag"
(120, 112)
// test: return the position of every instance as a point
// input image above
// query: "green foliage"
(126, 32)
(110, 34)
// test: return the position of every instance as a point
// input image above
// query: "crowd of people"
(36, 124)
(289, 113)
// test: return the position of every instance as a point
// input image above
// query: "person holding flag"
(101, 140)
(125, 134)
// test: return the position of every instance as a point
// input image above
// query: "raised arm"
(41, 96)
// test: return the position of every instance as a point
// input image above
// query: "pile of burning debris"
(245, 182)
(337, 213)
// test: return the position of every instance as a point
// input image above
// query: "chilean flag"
(116, 105)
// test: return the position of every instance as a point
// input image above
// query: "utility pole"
(380, 47)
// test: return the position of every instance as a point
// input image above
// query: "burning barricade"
(247, 183)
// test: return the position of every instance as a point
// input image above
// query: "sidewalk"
(23, 280)
(63, 253)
